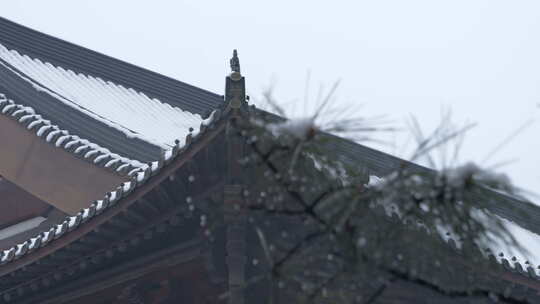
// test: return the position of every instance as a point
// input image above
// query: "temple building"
(101, 163)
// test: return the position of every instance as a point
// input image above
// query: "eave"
(114, 203)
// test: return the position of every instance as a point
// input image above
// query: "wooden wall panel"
(17, 205)
(50, 173)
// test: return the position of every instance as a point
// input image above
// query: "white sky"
(396, 58)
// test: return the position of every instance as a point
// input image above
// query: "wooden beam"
(119, 223)
(163, 197)
(32, 164)
(169, 257)
(106, 232)
(97, 257)
(135, 217)
(149, 206)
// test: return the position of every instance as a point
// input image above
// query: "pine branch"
(308, 208)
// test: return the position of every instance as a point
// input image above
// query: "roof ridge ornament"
(235, 62)
(235, 85)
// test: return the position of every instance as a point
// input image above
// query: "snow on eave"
(525, 263)
(528, 240)
(52, 134)
(109, 200)
(499, 255)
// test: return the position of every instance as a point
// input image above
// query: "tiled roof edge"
(110, 199)
(501, 262)
(496, 263)
(73, 144)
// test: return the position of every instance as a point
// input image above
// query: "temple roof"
(140, 118)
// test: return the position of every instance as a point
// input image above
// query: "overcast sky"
(395, 58)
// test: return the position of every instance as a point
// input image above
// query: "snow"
(21, 227)
(140, 176)
(46, 236)
(72, 221)
(154, 166)
(111, 162)
(376, 182)
(33, 242)
(24, 118)
(85, 213)
(99, 205)
(335, 169)
(136, 170)
(61, 140)
(131, 112)
(100, 158)
(122, 167)
(168, 154)
(20, 248)
(7, 108)
(126, 187)
(22, 109)
(530, 242)
(113, 197)
(42, 130)
(90, 153)
(51, 135)
(209, 119)
(7, 253)
(59, 229)
(298, 127)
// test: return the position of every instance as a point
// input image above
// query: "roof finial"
(235, 86)
(235, 62)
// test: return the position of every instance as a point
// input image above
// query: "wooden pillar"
(235, 243)
(235, 219)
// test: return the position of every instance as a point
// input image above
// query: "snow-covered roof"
(530, 242)
(131, 112)
(525, 260)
